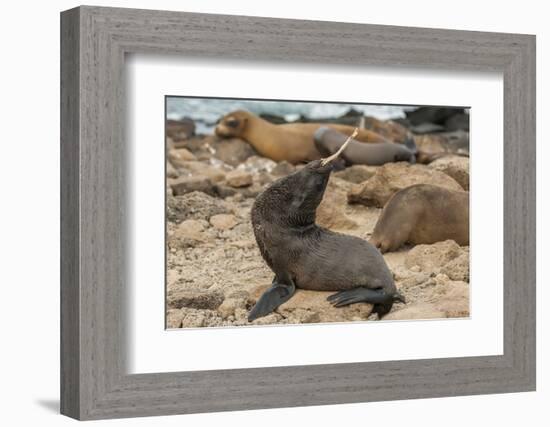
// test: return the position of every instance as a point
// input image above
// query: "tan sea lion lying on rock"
(292, 142)
(423, 213)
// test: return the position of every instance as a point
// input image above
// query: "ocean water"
(207, 111)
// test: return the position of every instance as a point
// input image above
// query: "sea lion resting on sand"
(423, 213)
(292, 142)
(306, 256)
(328, 141)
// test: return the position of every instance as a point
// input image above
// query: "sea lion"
(306, 256)
(423, 213)
(292, 142)
(328, 141)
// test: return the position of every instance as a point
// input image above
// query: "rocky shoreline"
(215, 272)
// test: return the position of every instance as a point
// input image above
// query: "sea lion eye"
(232, 122)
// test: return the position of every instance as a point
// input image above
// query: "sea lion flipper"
(381, 300)
(352, 296)
(272, 298)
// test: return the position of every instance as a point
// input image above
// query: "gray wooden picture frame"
(94, 41)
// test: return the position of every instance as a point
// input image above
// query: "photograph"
(295, 212)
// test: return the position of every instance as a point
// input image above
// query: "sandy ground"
(215, 272)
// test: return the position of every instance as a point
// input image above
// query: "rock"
(171, 172)
(255, 164)
(223, 221)
(393, 177)
(228, 307)
(457, 141)
(263, 178)
(238, 179)
(413, 280)
(388, 129)
(174, 318)
(283, 168)
(193, 318)
(331, 212)
(421, 310)
(188, 184)
(187, 234)
(179, 156)
(424, 128)
(195, 205)
(458, 268)
(356, 173)
(197, 145)
(312, 306)
(194, 299)
(251, 191)
(453, 298)
(301, 315)
(430, 144)
(457, 167)
(232, 151)
(460, 121)
(224, 191)
(180, 129)
(190, 227)
(432, 257)
(270, 319)
(196, 168)
(436, 115)
(169, 143)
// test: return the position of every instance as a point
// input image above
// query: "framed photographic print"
(261, 213)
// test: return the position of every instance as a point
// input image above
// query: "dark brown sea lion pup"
(328, 141)
(306, 256)
(423, 213)
(292, 142)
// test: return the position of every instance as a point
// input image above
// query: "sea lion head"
(232, 124)
(293, 200)
(310, 184)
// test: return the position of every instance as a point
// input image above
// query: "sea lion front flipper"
(276, 295)
(382, 301)
(352, 296)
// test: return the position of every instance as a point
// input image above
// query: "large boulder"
(188, 184)
(356, 173)
(232, 151)
(457, 167)
(331, 212)
(392, 177)
(432, 257)
(388, 129)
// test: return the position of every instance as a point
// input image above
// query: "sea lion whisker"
(341, 149)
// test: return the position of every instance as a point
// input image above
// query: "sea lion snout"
(232, 125)
(318, 167)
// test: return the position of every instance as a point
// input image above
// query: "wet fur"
(315, 258)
